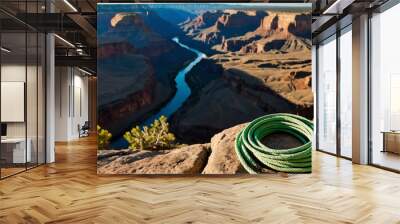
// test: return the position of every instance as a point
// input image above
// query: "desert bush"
(104, 137)
(155, 137)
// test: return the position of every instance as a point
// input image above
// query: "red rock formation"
(122, 20)
(254, 31)
(302, 26)
(226, 24)
(139, 35)
(276, 23)
(185, 160)
(204, 20)
(300, 80)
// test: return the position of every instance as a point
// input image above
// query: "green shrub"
(155, 137)
(103, 138)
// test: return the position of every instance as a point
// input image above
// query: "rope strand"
(254, 156)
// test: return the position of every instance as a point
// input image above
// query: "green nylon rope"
(255, 156)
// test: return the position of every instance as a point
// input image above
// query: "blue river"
(182, 94)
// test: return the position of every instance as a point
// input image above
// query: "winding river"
(183, 92)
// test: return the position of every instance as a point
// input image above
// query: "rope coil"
(254, 155)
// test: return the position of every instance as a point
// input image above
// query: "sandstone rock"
(302, 26)
(223, 158)
(204, 20)
(185, 160)
(106, 156)
(102, 154)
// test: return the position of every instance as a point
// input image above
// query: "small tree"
(155, 137)
(104, 137)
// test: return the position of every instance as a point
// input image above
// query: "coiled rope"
(255, 156)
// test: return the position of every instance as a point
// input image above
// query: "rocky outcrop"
(302, 26)
(237, 23)
(223, 158)
(236, 44)
(185, 160)
(242, 30)
(286, 32)
(286, 24)
(296, 44)
(217, 157)
(127, 20)
(278, 44)
(106, 156)
(276, 23)
(300, 80)
(213, 28)
(204, 20)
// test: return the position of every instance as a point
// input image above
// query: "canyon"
(258, 62)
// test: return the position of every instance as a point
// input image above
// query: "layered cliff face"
(214, 28)
(138, 64)
(281, 32)
(250, 31)
(206, 19)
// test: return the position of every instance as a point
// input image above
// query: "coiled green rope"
(255, 156)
